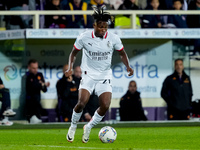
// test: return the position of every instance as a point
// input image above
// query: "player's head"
(132, 87)
(178, 65)
(102, 19)
(33, 66)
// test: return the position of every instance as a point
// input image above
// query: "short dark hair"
(178, 59)
(32, 61)
(132, 82)
(178, 1)
(101, 15)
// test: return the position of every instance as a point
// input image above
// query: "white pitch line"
(74, 147)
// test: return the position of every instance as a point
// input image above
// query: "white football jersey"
(97, 53)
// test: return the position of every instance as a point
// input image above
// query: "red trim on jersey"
(76, 48)
(106, 35)
(121, 49)
(92, 34)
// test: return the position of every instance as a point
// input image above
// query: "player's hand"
(69, 79)
(130, 71)
(68, 73)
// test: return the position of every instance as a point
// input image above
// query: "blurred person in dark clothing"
(6, 110)
(128, 5)
(179, 21)
(67, 91)
(16, 21)
(153, 21)
(177, 93)
(124, 21)
(35, 83)
(193, 21)
(2, 7)
(78, 21)
(131, 105)
(54, 21)
(99, 3)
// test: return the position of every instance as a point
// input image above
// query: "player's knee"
(81, 105)
(105, 106)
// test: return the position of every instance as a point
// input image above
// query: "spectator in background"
(2, 7)
(153, 21)
(128, 5)
(166, 4)
(67, 91)
(54, 21)
(142, 4)
(179, 21)
(37, 5)
(63, 4)
(5, 111)
(177, 93)
(193, 21)
(35, 83)
(78, 21)
(131, 105)
(99, 3)
(124, 21)
(16, 22)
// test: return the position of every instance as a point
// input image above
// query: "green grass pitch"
(53, 137)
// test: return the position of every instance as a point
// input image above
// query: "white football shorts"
(99, 86)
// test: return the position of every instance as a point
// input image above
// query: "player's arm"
(72, 58)
(125, 60)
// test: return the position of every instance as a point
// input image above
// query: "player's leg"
(84, 96)
(104, 91)
(86, 87)
(105, 99)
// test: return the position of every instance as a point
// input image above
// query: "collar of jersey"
(105, 36)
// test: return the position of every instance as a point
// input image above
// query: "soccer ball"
(107, 134)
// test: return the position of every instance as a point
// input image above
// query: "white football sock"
(75, 118)
(95, 120)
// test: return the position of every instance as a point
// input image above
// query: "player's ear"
(94, 25)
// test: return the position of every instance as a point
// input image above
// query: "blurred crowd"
(86, 21)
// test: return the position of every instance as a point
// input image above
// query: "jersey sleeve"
(118, 44)
(78, 43)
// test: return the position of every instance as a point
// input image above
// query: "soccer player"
(97, 47)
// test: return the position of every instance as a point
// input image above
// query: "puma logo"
(90, 44)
